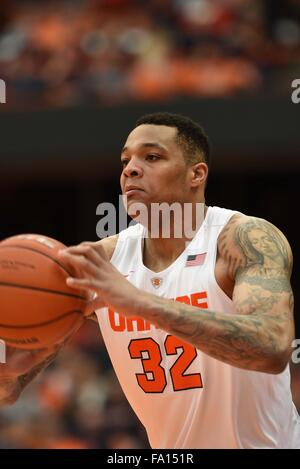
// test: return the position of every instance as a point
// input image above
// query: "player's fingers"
(75, 251)
(99, 250)
(80, 262)
(95, 252)
(83, 283)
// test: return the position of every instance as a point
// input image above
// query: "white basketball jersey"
(183, 397)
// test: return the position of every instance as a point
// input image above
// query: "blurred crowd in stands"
(73, 52)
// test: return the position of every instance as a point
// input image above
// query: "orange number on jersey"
(154, 378)
(181, 381)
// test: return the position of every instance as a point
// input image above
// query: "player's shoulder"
(109, 244)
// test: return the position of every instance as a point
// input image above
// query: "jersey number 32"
(154, 378)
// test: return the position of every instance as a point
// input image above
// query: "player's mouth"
(132, 190)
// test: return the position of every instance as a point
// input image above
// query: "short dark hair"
(190, 135)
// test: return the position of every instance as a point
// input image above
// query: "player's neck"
(161, 251)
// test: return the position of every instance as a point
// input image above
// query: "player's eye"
(123, 163)
(152, 157)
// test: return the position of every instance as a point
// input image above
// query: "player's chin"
(137, 205)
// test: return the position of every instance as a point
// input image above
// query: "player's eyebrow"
(148, 145)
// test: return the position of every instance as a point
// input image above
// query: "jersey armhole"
(212, 266)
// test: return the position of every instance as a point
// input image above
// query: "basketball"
(38, 309)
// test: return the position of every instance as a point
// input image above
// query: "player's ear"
(199, 173)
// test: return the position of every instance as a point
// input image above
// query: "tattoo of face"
(261, 244)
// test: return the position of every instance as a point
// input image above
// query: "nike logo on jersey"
(156, 282)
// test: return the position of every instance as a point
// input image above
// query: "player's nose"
(132, 169)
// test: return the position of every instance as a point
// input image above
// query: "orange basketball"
(37, 308)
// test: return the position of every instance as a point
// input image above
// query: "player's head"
(167, 156)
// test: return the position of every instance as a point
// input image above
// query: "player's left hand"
(98, 275)
(20, 367)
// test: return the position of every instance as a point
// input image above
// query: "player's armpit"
(263, 264)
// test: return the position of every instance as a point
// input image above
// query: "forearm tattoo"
(26, 378)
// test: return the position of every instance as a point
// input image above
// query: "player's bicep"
(256, 293)
(270, 301)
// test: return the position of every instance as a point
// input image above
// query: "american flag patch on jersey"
(195, 259)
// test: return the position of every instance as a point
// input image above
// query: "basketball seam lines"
(41, 324)
(29, 287)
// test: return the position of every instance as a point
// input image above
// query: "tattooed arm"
(257, 259)
(262, 288)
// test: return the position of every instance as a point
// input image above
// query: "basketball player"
(199, 330)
